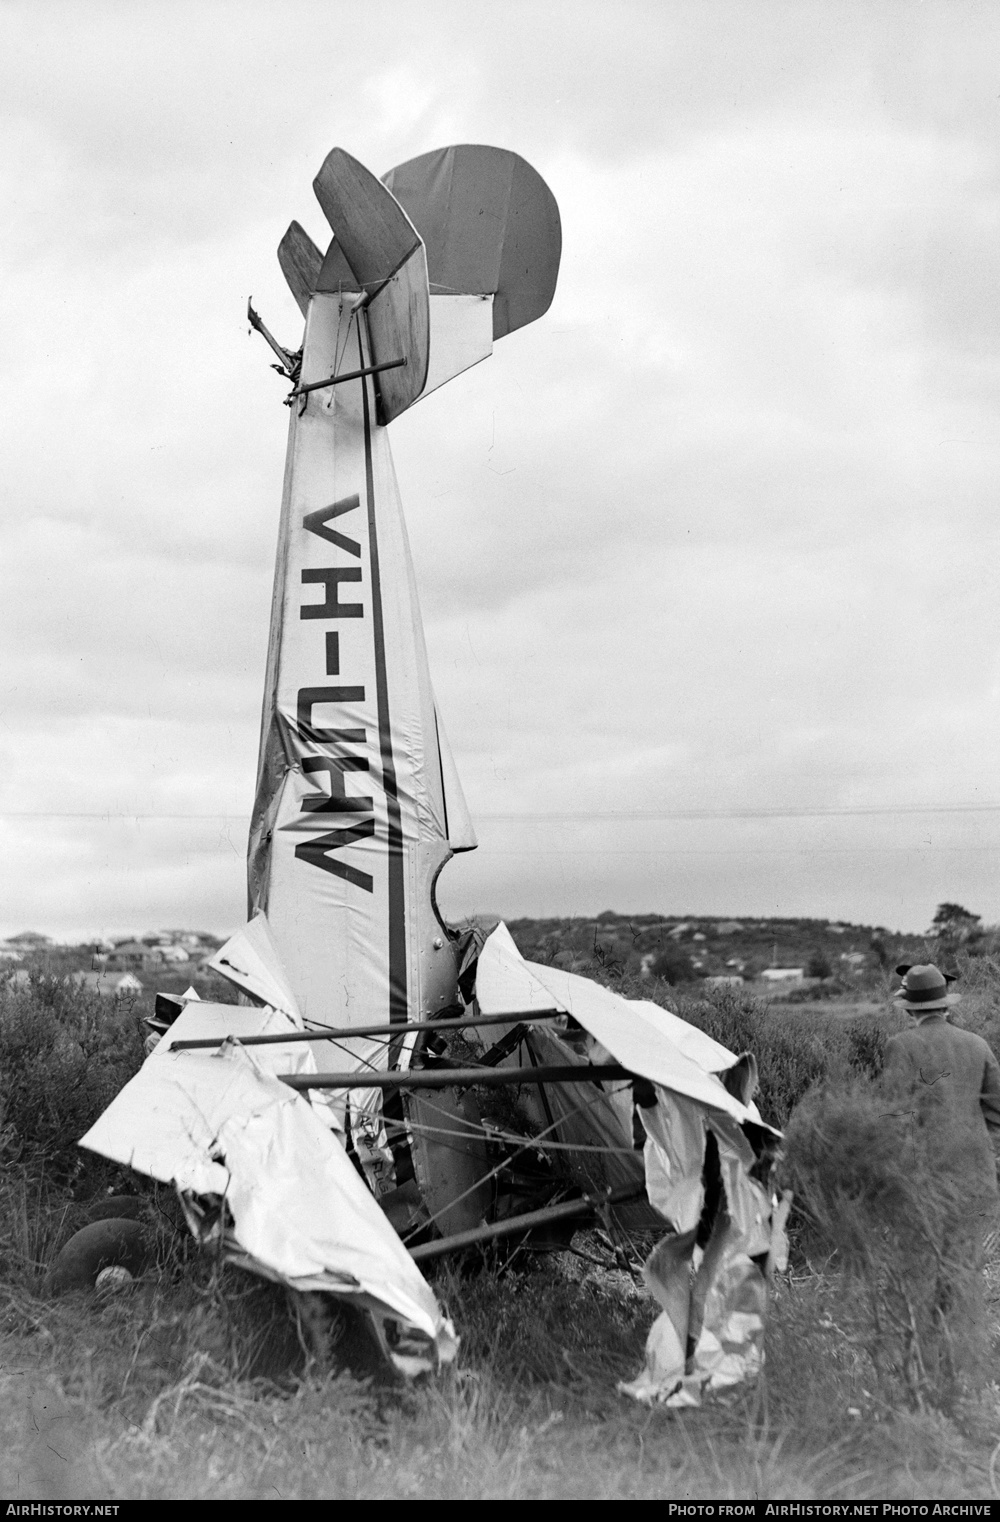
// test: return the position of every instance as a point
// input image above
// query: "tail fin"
(386, 253)
(301, 262)
(454, 249)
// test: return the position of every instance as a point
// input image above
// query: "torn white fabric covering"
(693, 1043)
(506, 982)
(673, 1155)
(221, 1125)
(730, 1340)
(154, 1121)
(158, 1124)
(723, 1303)
(251, 960)
(641, 1036)
(748, 1202)
(203, 1020)
(729, 1349)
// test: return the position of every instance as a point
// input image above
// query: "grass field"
(193, 1382)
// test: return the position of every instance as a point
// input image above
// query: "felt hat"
(924, 988)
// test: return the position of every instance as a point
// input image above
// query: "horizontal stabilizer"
(300, 262)
(461, 336)
(490, 225)
(386, 254)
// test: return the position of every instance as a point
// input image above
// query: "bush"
(793, 1056)
(898, 1220)
(674, 967)
(64, 1054)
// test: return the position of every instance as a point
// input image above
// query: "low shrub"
(901, 1224)
(794, 1055)
(64, 1054)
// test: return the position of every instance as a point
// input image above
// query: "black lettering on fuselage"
(336, 801)
(308, 697)
(317, 522)
(314, 851)
(333, 798)
(331, 606)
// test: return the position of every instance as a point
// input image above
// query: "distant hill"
(715, 946)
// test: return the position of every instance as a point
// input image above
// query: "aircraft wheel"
(116, 1207)
(103, 1244)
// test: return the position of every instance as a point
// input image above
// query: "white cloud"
(709, 535)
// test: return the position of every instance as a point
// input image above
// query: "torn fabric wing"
(225, 1126)
(648, 1040)
(709, 1273)
(251, 960)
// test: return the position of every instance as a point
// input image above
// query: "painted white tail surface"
(359, 804)
(357, 808)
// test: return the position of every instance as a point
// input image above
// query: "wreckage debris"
(391, 1089)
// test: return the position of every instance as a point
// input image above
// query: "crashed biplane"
(390, 1089)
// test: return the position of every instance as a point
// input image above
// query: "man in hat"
(951, 1079)
(946, 1081)
(950, 1075)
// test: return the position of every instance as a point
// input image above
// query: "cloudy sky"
(707, 555)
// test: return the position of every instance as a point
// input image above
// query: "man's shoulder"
(902, 1038)
(939, 1031)
(972, 1040)
(957, 1037)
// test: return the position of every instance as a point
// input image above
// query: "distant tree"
(818, 965)
(673, 966)
(955, 924)
(949, 916)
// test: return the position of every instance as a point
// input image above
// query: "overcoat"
(950, 1080)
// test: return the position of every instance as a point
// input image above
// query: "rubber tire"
(116, 1207)
(102, 1244)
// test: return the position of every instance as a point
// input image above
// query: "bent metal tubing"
(349, 375)
(346, 1033)
(521, 1224)
(449, 1078)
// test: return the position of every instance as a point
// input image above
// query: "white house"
(110, 985)
(783, 974)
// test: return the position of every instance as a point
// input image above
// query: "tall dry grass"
(898, 1222)
(194, 1382)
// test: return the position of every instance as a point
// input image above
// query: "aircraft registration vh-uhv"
(391, 1089)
